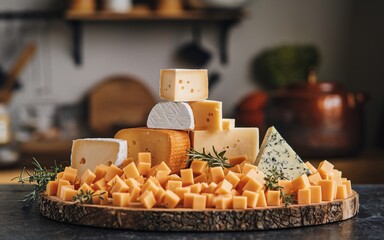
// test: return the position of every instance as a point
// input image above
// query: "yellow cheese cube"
(224, 187)
(88, 177)
(223, 202)
(238, 160)
(341, 192)
(304, 196)
(147, 199)
(112, 172)
(239, 202)
(131, 171)
(69, 174)
(217, 174)
(119, 186)
(174, 177)
(120, 199)
(199, 202)
(236, 168)
(143, 168)
(100, 185)
(51, 188)
(196, 188)
(347, 183)
(209, 200)
(159, 196)
(163, 167)
(100, 197)
(228, 123)
(261, 201)
(252, 198)
(112, 181)
(325, 168)
(253, 185)
(60, 184)
(273, 198)
(247, 167)
(140, 179)
(100, 172)
(232, 178)
(327, 189)
(207, 114)
(188, 199)
(311, 168)
(315, 194)
(172, 185)
(170, 199)
(126, 162)
(131, 182)
(314, 178)
(199, 166)
(286, 186)
(59, 175)
(85, 188)
(67, 193)
(211, 188)
(162, 177)
(202, 178)
(134, 194)
(150, 186)
(180, 191)
(300, 183)
(187, 176)
(144, 157)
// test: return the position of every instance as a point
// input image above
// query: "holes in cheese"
(207, 115)
(169, 146)
(180, 85)
(171, 115)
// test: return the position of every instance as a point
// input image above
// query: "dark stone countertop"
(17, 223)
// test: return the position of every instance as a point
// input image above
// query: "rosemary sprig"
(39, 178)
(271, 183)
(216, 160)
(87, 197)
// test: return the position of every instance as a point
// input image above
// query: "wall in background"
(141, 50)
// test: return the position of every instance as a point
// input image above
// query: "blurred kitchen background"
(82, 68)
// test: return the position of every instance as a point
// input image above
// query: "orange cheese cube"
(224, 187)
(134, 194)
(202, 178)
(247, 167)
(131, 182)
(209, 200)
(286, 186)
(69, 176)
(347, 183)
(253, 185)
(238, 160)
(314, 178)
(327, 189)
(244, 180)
(196, 188)
(325, 168)
(236, 168)
(239, 202)
(67, 193)
(150, 186)
(300, 183)
(163, 167)
(131, 171)
(100, 185)
(199, 166)
(126, 162)
(273, 198)
(70, 170)
(232, 178)
(170, 199)
(140, 179)
(152, 171)
(120, 199)
(162, 177)
(119, 186)
(100, 197)
(112, 181)
(315, 194)
(159, 196)
(51, 188)
(88, 177)
(341, 192)
(199, 202)
(143, 168)
(85, 188)
(112, 172)
(217, 174)
(187, 176)
(211, 188)
(59, 175)
(261, 201)
(252, 198)
(100, 172)
(174, 177)
(180, 191)
(188, 200)
(144, 157)
(304, 196)
(147, 199)
(172, 185)
(60, 184)
(223, 202)
(311, 168)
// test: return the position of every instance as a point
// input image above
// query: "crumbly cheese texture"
(87, 153)
(275, 152)
(171, 115)
(184, 85)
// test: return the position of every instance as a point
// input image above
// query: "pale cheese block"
(236, 142)
(171, 115)
(169, 146)
(207, 114)
(87, 153)
(183, 85)
(228, 123)
(275, 152)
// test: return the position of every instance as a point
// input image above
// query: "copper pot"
(318, 119)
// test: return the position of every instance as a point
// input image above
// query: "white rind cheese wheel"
(171, 115)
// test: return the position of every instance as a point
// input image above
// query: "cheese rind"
(184, 84)
(87, 153)
(169, 146)
(236, 142)
(207, 115)
(171, 115)
(275, 152)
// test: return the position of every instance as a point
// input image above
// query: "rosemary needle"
(216, 160)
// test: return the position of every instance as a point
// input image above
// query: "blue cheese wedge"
(275, 152)
(171, 115)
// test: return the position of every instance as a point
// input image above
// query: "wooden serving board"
(182, 219)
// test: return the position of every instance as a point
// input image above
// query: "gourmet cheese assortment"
(152, 166)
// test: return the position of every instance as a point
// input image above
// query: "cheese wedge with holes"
(171, 115)
(183, 85)
(236, 142)
(275, 152)
(87, 153)
(207, 115)
(169, 146)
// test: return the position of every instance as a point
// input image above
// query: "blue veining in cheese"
(275, 152)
